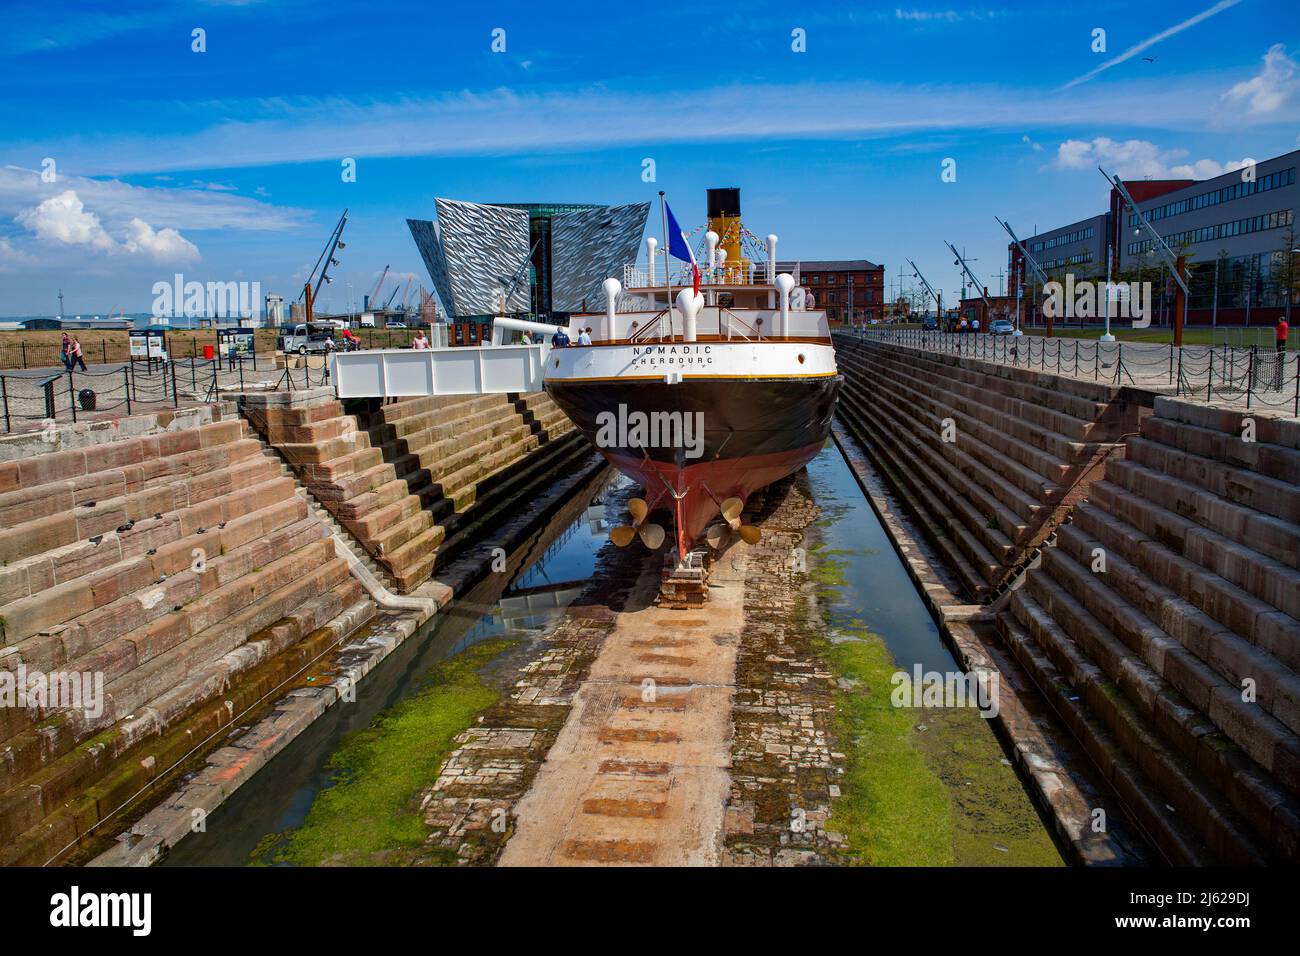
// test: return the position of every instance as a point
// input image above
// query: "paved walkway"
(640, 771)
(1226, 377)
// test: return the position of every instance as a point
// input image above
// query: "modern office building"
(850, 290)
(1237, 232)
(526, 258)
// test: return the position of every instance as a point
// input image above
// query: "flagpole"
(668, 279)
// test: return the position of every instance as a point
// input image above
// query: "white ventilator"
(651, 244)
(689, 304)
(771, 257)
(784, 283)
(612, 288)
(711, 242)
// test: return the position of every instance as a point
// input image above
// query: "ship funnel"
(651, 244)
(612, 288)
(784, 284)
(711, 240)
(689, 304)
(771, 257)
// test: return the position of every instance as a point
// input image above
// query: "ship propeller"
(652, 535)
(718, 534)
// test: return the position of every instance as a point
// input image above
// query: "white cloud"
(163, 245)
(1271, 87)
(1138, 159)
(1036, 147)
(301, 130)
(1152, 41)
(12, 258)
(945, 16)
(117, 203)
(63, 218)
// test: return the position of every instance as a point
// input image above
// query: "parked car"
(306, 339)
(395, 325)
(929, 323)
(1001, 327)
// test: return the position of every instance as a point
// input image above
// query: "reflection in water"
(874, 589)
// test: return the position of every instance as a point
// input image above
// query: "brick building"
(850, 290)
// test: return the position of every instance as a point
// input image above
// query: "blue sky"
(225, 164)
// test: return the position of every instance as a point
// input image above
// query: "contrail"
(1152, 41)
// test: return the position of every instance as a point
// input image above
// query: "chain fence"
(31, 401)
(1254, 376)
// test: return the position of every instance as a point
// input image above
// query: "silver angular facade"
(590, 246)
(477, 256)
(429, 241)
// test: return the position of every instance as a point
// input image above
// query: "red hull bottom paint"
(695, 492)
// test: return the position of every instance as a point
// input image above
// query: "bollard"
(126, 387)
(176, 399)
(4, 387)
(1250, 377)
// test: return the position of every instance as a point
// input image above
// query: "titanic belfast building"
(541, 259)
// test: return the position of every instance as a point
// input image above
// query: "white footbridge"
(622, 339)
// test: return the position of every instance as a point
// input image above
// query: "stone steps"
(1016, 512)
(1147, 602)
(1180, 842)
(1187, 645)
(1177, 781)
(402, 475)
(59, 804)
(1050, 455)
(997, 528)
(198, 561)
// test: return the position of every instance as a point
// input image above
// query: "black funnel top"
(724, 202)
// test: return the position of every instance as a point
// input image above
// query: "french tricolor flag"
(678, 247)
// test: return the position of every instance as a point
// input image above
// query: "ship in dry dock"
(723, 384)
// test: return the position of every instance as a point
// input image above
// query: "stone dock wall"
(1159, 618)
(185, 560)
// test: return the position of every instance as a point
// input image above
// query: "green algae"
(369, 816)
(921, 786)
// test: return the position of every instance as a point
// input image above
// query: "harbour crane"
(373, 298)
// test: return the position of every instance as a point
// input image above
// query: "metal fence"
(1253, 376)
(34, 399)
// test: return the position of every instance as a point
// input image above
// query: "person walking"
(420, 342)
(1282, 331)
(76, 357)
(584, 337)
(560, 339)
(975, 326)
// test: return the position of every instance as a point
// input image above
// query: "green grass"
(369, 815)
